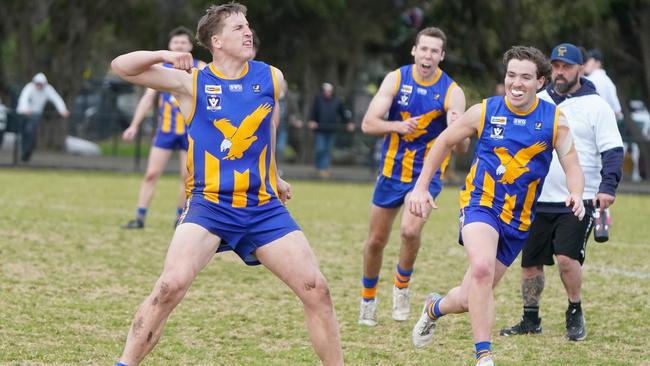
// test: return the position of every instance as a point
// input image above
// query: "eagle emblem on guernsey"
(423, 122)
(512, 167)
(238, 139)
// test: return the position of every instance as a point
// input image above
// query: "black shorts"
(553, 234)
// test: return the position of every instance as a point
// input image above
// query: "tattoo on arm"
(531, 290)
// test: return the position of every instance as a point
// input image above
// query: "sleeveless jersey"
(170, 119)
(230, 160)
(402, 156)
(512, 159)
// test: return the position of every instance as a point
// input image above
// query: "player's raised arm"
(374, 123)
(142, 68)
(420, 202)
(455, 108)
(568, 156)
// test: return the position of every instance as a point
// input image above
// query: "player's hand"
(312, 125)
(420, 202)
(284, 190)
(603, 200)
(65, 114)
(577, 206)
(129, 133)
(407, 126)
(179, 60)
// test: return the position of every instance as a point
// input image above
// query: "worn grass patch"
(71, 279)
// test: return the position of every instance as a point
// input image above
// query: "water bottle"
(601, 225)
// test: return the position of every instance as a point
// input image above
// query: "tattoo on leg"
(531, 289)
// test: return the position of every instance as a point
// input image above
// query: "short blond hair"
(212, 22)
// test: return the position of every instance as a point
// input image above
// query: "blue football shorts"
(241, 230)
(170, 141)
(511, 240)
(390, 193)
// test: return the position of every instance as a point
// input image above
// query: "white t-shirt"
(594, 130)
(605, 88)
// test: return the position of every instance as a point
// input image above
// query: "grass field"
(71, 279)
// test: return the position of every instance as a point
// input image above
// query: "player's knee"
(482, 271)
(315, 291)
(410, 235)
(376, 242)
(169, 290)
(151, 176)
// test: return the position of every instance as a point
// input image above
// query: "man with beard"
(556, 231)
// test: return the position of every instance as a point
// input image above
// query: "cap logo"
(561, 51)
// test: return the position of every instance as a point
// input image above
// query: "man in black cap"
(556, 231)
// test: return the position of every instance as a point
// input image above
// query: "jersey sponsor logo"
(257, 88)
(422, 91)
(496, 120)
(513, 167)
(213, 89)
(519, 122)
(538, 125)
(436, 96)
(407, 89)
(214, 102)
(497, 132)
(236, 88)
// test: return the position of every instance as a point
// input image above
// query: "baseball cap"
(568, 53)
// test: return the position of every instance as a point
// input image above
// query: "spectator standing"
(31, 103)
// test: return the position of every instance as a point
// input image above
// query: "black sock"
(531, 313)
(575, 306)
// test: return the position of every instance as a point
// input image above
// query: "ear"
(413, 50)
(540, 82)
(442, 57)
(216, 42)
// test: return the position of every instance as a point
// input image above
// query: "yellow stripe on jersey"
(528, 205)
(435, 79)
(557, 117)
(518, 112)
(239, 198)
(508, 205)
(179, 125)
(443, 166)
(276, 91)
(465, 195)
(480, 128)
(263, 195)
(407, 165)
(398, 80)
(390, 155)
(451, 86)
(488, 190)
(222, 76)
(212, 172)
(167, 118)
(189, 184)
(195, 76)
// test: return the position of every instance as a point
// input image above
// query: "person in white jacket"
(556, 231)
(31, 103)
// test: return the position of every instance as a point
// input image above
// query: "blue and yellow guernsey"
(170, 118)
(402, 156)
(229, 159)
(512, 158)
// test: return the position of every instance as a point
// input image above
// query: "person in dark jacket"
(327, 114)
